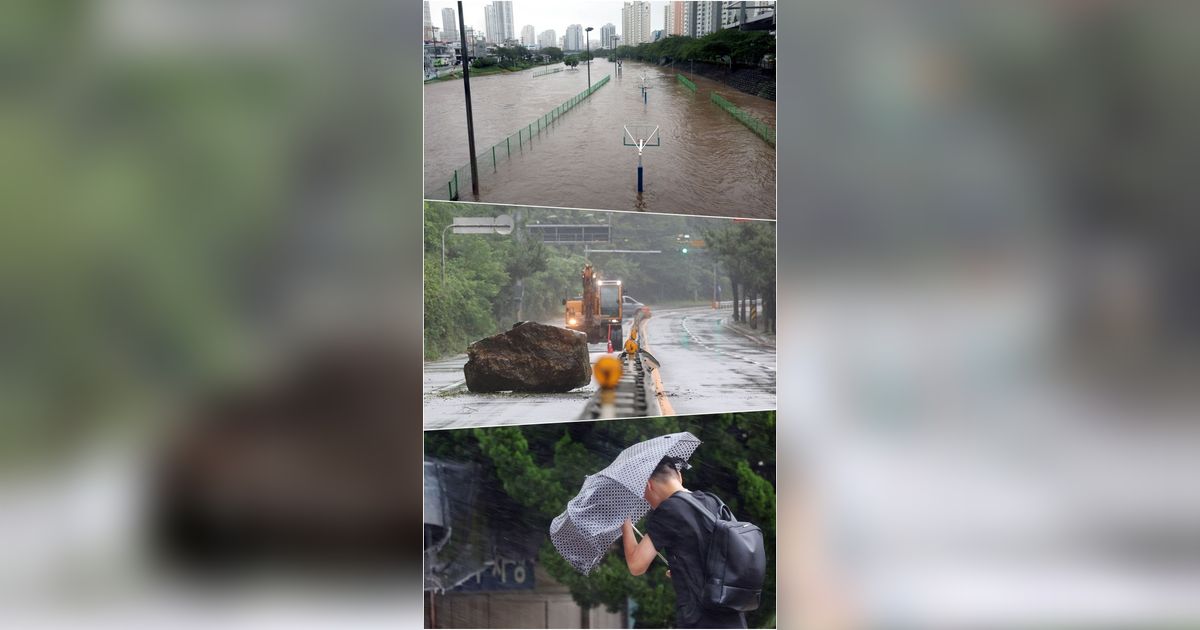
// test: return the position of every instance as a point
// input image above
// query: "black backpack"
(736, 563)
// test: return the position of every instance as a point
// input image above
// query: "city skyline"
(554, 15)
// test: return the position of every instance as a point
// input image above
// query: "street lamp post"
(444, 252)
(588, 44)
(466, 62)
(716, 288)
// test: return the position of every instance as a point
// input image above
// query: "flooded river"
(708, 162)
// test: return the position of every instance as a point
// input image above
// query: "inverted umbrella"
(593, 519)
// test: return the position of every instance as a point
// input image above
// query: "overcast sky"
(548, 14)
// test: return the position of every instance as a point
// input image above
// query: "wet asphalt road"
(706, 368)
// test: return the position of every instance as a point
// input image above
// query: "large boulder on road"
(530, 357)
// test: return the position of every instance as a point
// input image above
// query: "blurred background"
(988, 335)
(210, 312)
(987, 318)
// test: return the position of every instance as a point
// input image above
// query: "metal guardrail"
(634, 392)
(765, 131)
(520, 141)
(687, 83)
(632, 397)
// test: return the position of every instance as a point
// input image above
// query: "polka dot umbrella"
(583, 533)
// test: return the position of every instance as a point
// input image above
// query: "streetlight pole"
(466, 61)
(588, 43)
(716, 301)
(444, 252)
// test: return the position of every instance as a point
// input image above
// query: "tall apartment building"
(498, 21)
(548, 39)
(510, 28)
(449, 26)
(702, 18)
(635, 23)
(426, 23)
(574, 37)
(608, 33)
(490, 22)
(673, 18)
(527, 37)
(737, 12)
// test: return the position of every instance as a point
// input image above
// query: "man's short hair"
(669, 467)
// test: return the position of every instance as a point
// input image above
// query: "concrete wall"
(547, 606)
(751, 80)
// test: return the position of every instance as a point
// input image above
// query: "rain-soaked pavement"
(708, 162)
(706, 368)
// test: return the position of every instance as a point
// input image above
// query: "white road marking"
(683, 323)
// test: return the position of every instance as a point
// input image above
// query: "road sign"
(557, 233)
(501, 575)
(474, 221)
(624, 251)
(502, 224)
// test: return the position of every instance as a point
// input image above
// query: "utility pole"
(444, 252)
(466, 61)
(588, 43)
(716, 289)
(520, 293)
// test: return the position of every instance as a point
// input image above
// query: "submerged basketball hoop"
(641, 136)
(645, 87)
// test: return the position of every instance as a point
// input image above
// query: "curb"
(747, 335)
(446, 389)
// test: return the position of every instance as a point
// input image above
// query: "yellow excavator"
(598, 312)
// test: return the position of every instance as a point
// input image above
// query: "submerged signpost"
(640, 136)
(645, 90)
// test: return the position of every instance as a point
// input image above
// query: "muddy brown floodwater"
(708, 162)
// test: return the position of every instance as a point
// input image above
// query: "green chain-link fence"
(545, 72)
(687, 83)
(767, 132)
(519, 141)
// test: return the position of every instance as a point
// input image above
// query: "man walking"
(677, 528)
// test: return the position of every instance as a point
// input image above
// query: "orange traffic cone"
(610, 345)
